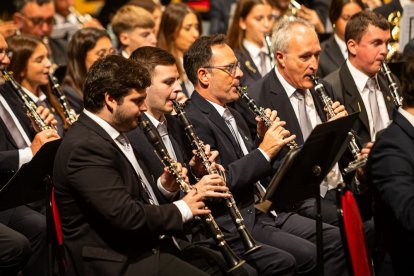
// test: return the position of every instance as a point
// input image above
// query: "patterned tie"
(373, 102)
(231, 123)
(163, 131)
(263, 66)
(304, 122)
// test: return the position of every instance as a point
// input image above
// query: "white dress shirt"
(360, 80)
(254, 53)
(342, 46)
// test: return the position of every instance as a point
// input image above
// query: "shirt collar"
(112, 132)
(288, 88)
(360, 78)
(407, 115)
(220, 109)
(42, 96)
(342, 46)
(154, 121)
(253, 50)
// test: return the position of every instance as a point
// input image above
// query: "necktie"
(263, 66)
(163, 131)
(127, 149)
(304, 122)
(373, 102)
(11, 126)
(231, 123)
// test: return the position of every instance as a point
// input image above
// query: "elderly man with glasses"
(36, 17)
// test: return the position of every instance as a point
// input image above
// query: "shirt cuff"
(185, 211)
(25, 155)
(165, 192)
(264, 154)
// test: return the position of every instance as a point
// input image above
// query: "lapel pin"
(388, 98)
(250, 66)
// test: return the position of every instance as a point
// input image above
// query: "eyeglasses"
(230, 69)
(5, 52)
(105, 52)
(38, 21)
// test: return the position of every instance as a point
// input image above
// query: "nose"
(5, 60)
(195, 33)
(177, 86)
(153, 39)
(239, 72)
(48, 62)
(143, 107)
(314, 63)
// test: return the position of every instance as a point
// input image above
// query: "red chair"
(352, 231)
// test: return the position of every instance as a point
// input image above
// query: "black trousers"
(31, 229)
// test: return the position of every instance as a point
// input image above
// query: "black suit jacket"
(269, 93)
(9, 155)
(219, 16)
(241, 171)
(391, 172)
(387, 9)
(348, 94)
(331, 57)
(107, 221)
(250, 72)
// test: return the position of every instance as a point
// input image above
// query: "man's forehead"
(222, 53)
(34, 9)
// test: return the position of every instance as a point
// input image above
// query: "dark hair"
(200, 53)
(150, 57)
(360, 22)
(20, 4)
(116, 76)
(408, 81)
(23, 46)
(80, 44)
(171, 23)
(336, 7)
(235, 33)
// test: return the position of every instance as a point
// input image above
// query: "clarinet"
(353, 146)
(259, 111)
(391, 84)
(247, 239)
(233, 261)
(269, 48)
(68, 111)
(30, 105)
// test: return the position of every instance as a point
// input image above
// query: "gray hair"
(282, 32)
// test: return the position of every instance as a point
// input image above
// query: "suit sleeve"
(393, 176)
(95, 175)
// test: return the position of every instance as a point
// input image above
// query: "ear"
(242, 24)
(124, 39)
(352, 47)
(280, 58)
(18, 20)
(110, 102)
(203, 76)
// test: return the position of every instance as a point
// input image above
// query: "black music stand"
(27, 184)
(302, 170)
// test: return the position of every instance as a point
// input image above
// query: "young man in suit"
(213, 68)
(22, 230)
(358, 84)
(114, 219)
(391, 173)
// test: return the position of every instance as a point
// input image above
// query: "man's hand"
(42, 138)
(339, 111)
(275, 138)
(360, 172)
(196, 163)
(261, 126)
(194, 200)
(312, 17)
(212, 185)
(46, 116)
(168, 180)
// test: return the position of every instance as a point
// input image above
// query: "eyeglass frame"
(224, 68)
(5, 52)
(40, 19)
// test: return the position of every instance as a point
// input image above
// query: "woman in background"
(252, 20)
(334, 51)
(180, 27)
(30, 64)
(86, 46)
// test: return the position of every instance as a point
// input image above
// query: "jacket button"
(249, 211)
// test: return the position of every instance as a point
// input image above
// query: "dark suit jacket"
(391, 171)
(75, 100)
(250, 72)
(347, 93)
(240, 174)
(107, 221)
(269, 93)
(387, 9)
(9, 155)
(331, 57)
(219, 16)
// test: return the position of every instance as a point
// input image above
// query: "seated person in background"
(134, 28)
(86, 46)
(391, 173)
(334, 51)
(23, 240)
(154, 7)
